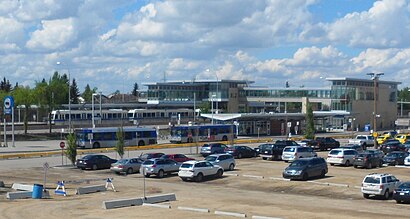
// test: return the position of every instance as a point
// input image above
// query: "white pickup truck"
(363, 140)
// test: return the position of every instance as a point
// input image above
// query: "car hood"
(295, 168)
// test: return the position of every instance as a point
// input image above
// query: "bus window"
(108, 136)
(128, 135)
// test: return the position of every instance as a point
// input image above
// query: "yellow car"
(402, 137)
(382, 138)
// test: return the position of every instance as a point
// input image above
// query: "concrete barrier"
(1, 184)
(90, 189)
(203, 210)
(22, 187)
(24, 194)
(230, 214)
(120, 203)
(160, 198)
(157, 205)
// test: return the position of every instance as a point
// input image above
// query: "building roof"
(361, 80)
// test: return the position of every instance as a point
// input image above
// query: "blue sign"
(8, 105)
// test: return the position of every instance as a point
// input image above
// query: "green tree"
(310, 127)
(88, 93)
(135, 90)
(71, 151)
(24, 96)
(119, 147)
(5, 85)
(44, 99)
(404, 95)
(205, 107)
(74, 92)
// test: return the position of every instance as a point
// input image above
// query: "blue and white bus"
(196, 133)
(107, 137)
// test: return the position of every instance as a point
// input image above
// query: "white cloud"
(53, 35)
(11, 34)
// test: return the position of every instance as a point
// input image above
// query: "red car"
(180, 158)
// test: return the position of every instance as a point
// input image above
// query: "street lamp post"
(69, 95)
(375, 78)
(212, 108)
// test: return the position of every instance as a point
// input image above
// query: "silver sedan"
(127, 166)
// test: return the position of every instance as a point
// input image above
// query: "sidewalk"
(31, 146)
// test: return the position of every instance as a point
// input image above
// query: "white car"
(291, 153)
(341, 156)
(407, 161)
(379, 184)
(197, 170)
(226, 161)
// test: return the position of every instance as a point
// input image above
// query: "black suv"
(274, 151)
(304, 168)
(367, 160)
(324, 143)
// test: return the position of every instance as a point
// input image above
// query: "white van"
(292, 153)
(341, 156)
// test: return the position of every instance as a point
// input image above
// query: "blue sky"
(113, 44)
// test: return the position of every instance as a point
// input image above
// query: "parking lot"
(255, 188)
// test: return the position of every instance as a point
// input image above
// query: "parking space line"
(252, 176)
(203, 210)
(230, 214)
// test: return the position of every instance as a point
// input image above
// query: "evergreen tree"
(74, 92)
(310, 127)
(119, 147)
(71, 151)
(5, 85)
(135, 90)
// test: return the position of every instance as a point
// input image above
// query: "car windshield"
(299, 163)
(87, 157)
(392, 155)
(122, 161)
(266, 147)
(186, 165)
(210, 158)
(335, 152)
(372, 179)
(361, 155)
(405, 185)
(148, 162)
(289, 149)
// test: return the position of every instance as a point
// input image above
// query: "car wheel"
(199, 177)
(130, 170)
(369, 165)
(386, 194)
(398, 201)
(366, 196)
(231, 166)
(96, 145)
(323, 174)
(332, 164)
(355, 166)
(147, 175)
(239, 156)
(94, 167)
(219, 173)
(264, 158)
(380, 164)
(305, 176)
(347, 163)
(160, 174)
(184, 179)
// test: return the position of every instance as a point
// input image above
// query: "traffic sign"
(62, 144)
(46, 166)
(8, 105)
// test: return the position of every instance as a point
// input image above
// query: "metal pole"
(401, 108)
(101, 108)
(92, 110)
(12, 127)
(217, 92)
(69, 100)
(194, 107)
(5, 132)
(212, 109)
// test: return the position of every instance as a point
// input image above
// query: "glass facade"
(285, 93)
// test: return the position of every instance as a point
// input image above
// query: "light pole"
(375, 78)
(92, 107)
(212, 108)
(217, 89)
(69, 95)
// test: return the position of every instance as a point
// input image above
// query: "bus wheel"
(141, 143)
(96, 145)
(190, 140)
(224, 138)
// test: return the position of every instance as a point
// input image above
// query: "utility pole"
(375, 78)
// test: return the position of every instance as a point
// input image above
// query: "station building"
(348, 104)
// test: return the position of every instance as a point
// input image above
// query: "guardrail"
(136, 148)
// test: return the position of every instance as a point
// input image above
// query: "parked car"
(127, 166)
(324, 143)
(271, 151)
(356, 147)
(376, 152)
(407, 145)
(402, 137)
(402, 193)
(197, 170)
(392, 145)
(341, 156)
(407, 160)
(95, 161)
(382, 138)
(148, 156)
(305, 168)
(226, 161)
(159, 167)
(379, 184)
(390, 134)
(240, 151)
(304, 142)
(292, 153)
(180, 158)
(213, 148)
(395, 158)
(367, 160)
(363, 140)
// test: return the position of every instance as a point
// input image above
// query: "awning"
(221, 116)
